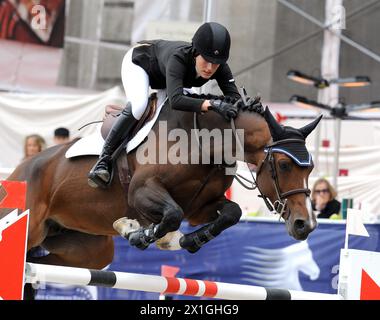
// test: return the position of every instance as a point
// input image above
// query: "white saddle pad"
(93, 144)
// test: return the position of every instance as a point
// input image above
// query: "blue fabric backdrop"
(252, 252)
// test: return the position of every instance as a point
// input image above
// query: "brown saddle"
(113, 111)
(120, 158)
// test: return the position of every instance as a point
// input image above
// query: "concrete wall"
(86, 65)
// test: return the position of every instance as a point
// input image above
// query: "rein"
(207, 178)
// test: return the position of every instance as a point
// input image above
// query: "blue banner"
(252, 252)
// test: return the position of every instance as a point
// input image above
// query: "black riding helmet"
(212, 41)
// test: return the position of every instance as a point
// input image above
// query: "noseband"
(282, 197)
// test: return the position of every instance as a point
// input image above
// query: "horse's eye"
(285, 165)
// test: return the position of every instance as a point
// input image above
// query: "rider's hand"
(205, 105)
(227, 110)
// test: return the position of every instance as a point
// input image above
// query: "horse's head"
(282, 176)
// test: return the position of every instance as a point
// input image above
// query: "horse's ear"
(306, 130)
(275, 128)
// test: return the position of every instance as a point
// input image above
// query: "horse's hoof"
(170, 241)
(188, 244)
(125, 226)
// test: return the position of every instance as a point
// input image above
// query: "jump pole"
(38, 273)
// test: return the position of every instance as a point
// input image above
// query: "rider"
(170, 65)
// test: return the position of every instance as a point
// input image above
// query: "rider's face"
(204, 68)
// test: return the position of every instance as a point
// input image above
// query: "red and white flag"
(15, 194)
(355, 225)
(13, 239)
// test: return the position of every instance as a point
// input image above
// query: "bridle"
(279, 205)
(282, 197)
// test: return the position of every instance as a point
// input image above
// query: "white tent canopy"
(23, 114)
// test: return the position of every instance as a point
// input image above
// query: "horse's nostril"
(299, 225)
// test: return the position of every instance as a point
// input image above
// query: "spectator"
(61, 135)
(323, 199)
(33, 144)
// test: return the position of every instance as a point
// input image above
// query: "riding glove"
(226, 110)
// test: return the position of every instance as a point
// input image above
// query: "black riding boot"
(100, 174)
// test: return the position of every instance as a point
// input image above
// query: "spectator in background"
(33, 144)
(61, 135)
(323, 199)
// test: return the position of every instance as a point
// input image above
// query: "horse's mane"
(250, 107)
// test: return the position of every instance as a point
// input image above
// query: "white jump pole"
(35, 273)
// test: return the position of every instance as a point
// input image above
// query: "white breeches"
(136, 85)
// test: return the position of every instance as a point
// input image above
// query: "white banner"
(24, 114)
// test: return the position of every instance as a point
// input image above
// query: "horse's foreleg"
(229, 214)
(156, 204)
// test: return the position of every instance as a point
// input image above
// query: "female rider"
(170, 65)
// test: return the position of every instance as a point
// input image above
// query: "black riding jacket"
(171, 65)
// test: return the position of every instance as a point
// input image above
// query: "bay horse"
(74, 222)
